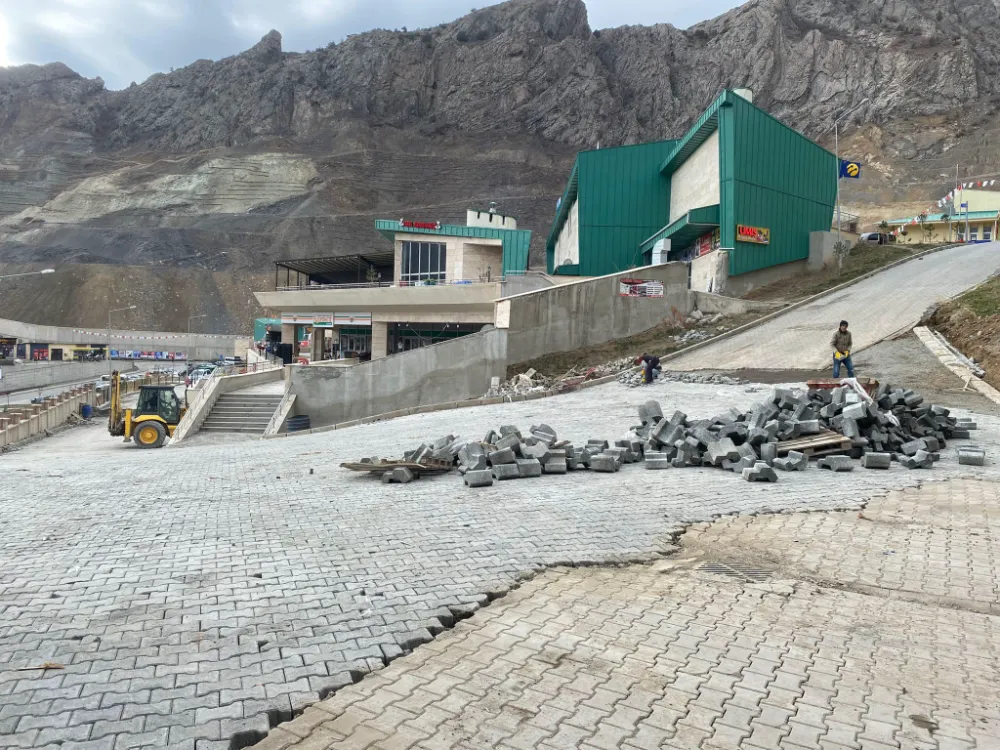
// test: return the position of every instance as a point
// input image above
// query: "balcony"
(463, 300)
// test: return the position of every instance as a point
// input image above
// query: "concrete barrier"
(20, 423)
(458, 369)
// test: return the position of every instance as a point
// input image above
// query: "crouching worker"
(650, 367)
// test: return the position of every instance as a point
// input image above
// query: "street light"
(120, 309)
(191, 318)
(27, 273)
(836, 137)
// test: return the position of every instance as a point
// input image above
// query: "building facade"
(432, 283)
(972, 217)
(739, 183)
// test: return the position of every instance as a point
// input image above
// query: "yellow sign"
(758, 235)
(852, 169)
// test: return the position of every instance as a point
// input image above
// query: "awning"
(687, 228)
(339, 264)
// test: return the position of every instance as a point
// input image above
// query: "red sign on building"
(420, 224)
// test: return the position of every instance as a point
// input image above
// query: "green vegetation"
(984, 300)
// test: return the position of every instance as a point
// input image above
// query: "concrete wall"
(206, 346)
(200, 406)
(451, 371)
(478, 257)
(23, 422)
(710, 304)
(588, 312)
(696, 183)
(490, 221)
(47, 374)
(567, 247)
(822, 248)
(737, 286)
(709, 272)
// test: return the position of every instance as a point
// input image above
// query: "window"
(987, 233)
(973, 234)
(423, 261)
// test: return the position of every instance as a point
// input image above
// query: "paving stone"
(479, 478)
(876, 461)
(529, 467)
(836, 463)
(506, 471)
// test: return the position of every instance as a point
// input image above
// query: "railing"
(388, 284)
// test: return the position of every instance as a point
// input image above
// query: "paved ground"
(881, 306)
(692, 653)
(202, 593)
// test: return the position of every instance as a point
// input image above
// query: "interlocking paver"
(227, 574)
(852, 655)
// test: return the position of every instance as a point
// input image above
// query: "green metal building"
(739, 181)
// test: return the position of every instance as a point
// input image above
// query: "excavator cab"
(155, 416)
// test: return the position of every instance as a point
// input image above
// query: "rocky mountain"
(192, 183)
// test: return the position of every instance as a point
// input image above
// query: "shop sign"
(640, 288)
(758, 235)
(420, 224)
(323, 320)
(707, 243)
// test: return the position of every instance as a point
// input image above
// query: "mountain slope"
(226, 166)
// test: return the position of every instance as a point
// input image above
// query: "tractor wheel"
(150, 435)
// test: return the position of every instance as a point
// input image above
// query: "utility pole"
(836, 140)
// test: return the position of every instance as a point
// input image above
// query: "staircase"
(235, 412)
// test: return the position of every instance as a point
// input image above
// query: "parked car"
(875, 238)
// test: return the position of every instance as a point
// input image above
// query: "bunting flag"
(158, 337)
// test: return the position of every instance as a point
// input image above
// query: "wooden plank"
(827, 441)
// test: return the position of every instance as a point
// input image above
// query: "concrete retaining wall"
(589, 312)
(200, 406)
(45, 375)
(714, 303)
(23, 422)
(451, 371)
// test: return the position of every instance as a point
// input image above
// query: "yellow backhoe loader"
(154, 418)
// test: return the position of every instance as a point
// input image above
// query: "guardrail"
(24, 421)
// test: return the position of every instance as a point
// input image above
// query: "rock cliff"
(489, 107)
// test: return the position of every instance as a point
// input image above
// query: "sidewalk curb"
(939, 350)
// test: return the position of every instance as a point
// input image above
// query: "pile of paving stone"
(894, 425)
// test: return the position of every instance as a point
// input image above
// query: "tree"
(372, 276)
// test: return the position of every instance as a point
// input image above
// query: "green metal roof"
(959, 216)
(566, 203)
(687, 228)
(705, 125)
(516, 242)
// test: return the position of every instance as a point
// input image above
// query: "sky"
(128, 40)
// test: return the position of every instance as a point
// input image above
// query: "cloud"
(128, 40)
(5, 58)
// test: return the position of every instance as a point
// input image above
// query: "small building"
(433, 282)
(974, 211)
(738, 196)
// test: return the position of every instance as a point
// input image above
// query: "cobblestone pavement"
(686, 654)
(940, 543)
(198, 595)
(876, 308)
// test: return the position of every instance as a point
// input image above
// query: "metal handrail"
(389, 284)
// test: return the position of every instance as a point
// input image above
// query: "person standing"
(650, 367)
(842, 344)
